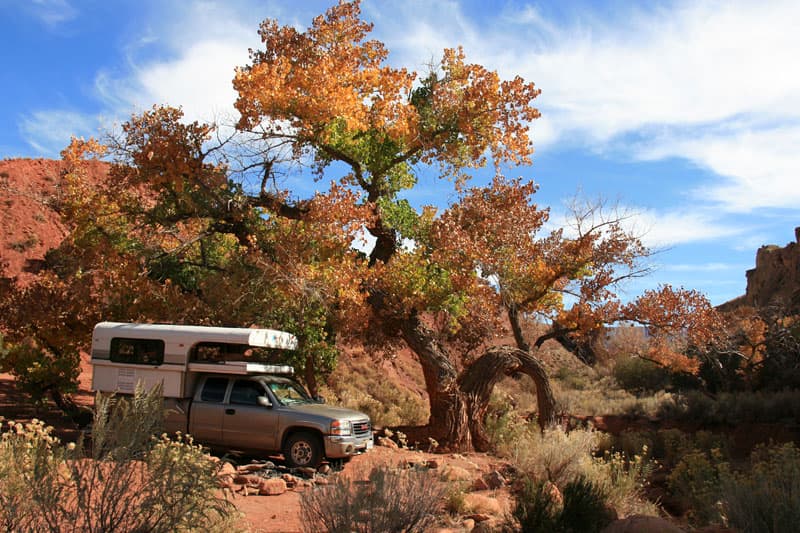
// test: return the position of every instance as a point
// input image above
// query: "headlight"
(341, 428)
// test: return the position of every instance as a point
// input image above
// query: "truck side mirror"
(264, 402)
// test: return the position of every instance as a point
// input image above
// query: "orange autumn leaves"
(330, 81)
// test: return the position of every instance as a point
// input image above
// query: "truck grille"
(361, 428)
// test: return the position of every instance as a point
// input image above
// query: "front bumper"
(337, 447)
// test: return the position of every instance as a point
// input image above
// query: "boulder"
(480, 484)
(272, 487)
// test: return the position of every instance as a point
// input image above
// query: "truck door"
(208, 410)
(249, 424)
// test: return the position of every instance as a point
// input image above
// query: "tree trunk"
(479, 380)
(449, 422)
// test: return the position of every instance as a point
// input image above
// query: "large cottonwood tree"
(330, 95)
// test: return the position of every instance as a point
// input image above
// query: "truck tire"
(303, 449)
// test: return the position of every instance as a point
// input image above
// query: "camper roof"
(267, 338)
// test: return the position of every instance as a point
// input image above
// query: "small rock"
(387, 443)
(242, 479)
(272, 487)
(321, 481)
(479, 517)
(306, 471)
(253, 467)
(495, 480)
(555, 494)
(432, 463)
(468, 524)
(455, 473)
(324, 469)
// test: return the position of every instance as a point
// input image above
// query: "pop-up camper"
(172, 355)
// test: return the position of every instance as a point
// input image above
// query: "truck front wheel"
(303, 449)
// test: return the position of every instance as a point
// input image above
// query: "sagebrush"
(127, 480)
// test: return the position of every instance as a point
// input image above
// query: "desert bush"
(696, 481)
(128, 480)
(766, 497)
(553, 455)
(389, 499)
(623, 477)
(582, 507)
(732, 408)
(639, 376)
(561, 457)
(667, 446)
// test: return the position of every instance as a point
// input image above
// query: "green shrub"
(640, 376)
(583, 509)
(390, 499)
(129, 481)
(560, 458)
(765, 498)
(696, 481)
(536, 508)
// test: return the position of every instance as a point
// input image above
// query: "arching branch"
(478, 381)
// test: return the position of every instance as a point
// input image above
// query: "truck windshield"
(288, 392)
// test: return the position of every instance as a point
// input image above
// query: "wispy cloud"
(663, 228)
(704, 267)
(52, 12)
(49, 131)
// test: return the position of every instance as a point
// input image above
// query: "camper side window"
(137, 351)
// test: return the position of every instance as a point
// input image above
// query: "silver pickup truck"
(216, 389)
(269, 413)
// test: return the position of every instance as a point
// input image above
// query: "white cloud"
(671, 80)
(704, 267)
(665, 228)
(760, 163)
(658, 229)
(49, 131)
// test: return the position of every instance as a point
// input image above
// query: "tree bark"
(480, 378)
(449, 422)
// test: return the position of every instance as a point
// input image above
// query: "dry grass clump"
(388, 499)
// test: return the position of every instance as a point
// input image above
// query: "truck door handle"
(230, 411)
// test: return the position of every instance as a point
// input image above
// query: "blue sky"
(684, 114)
